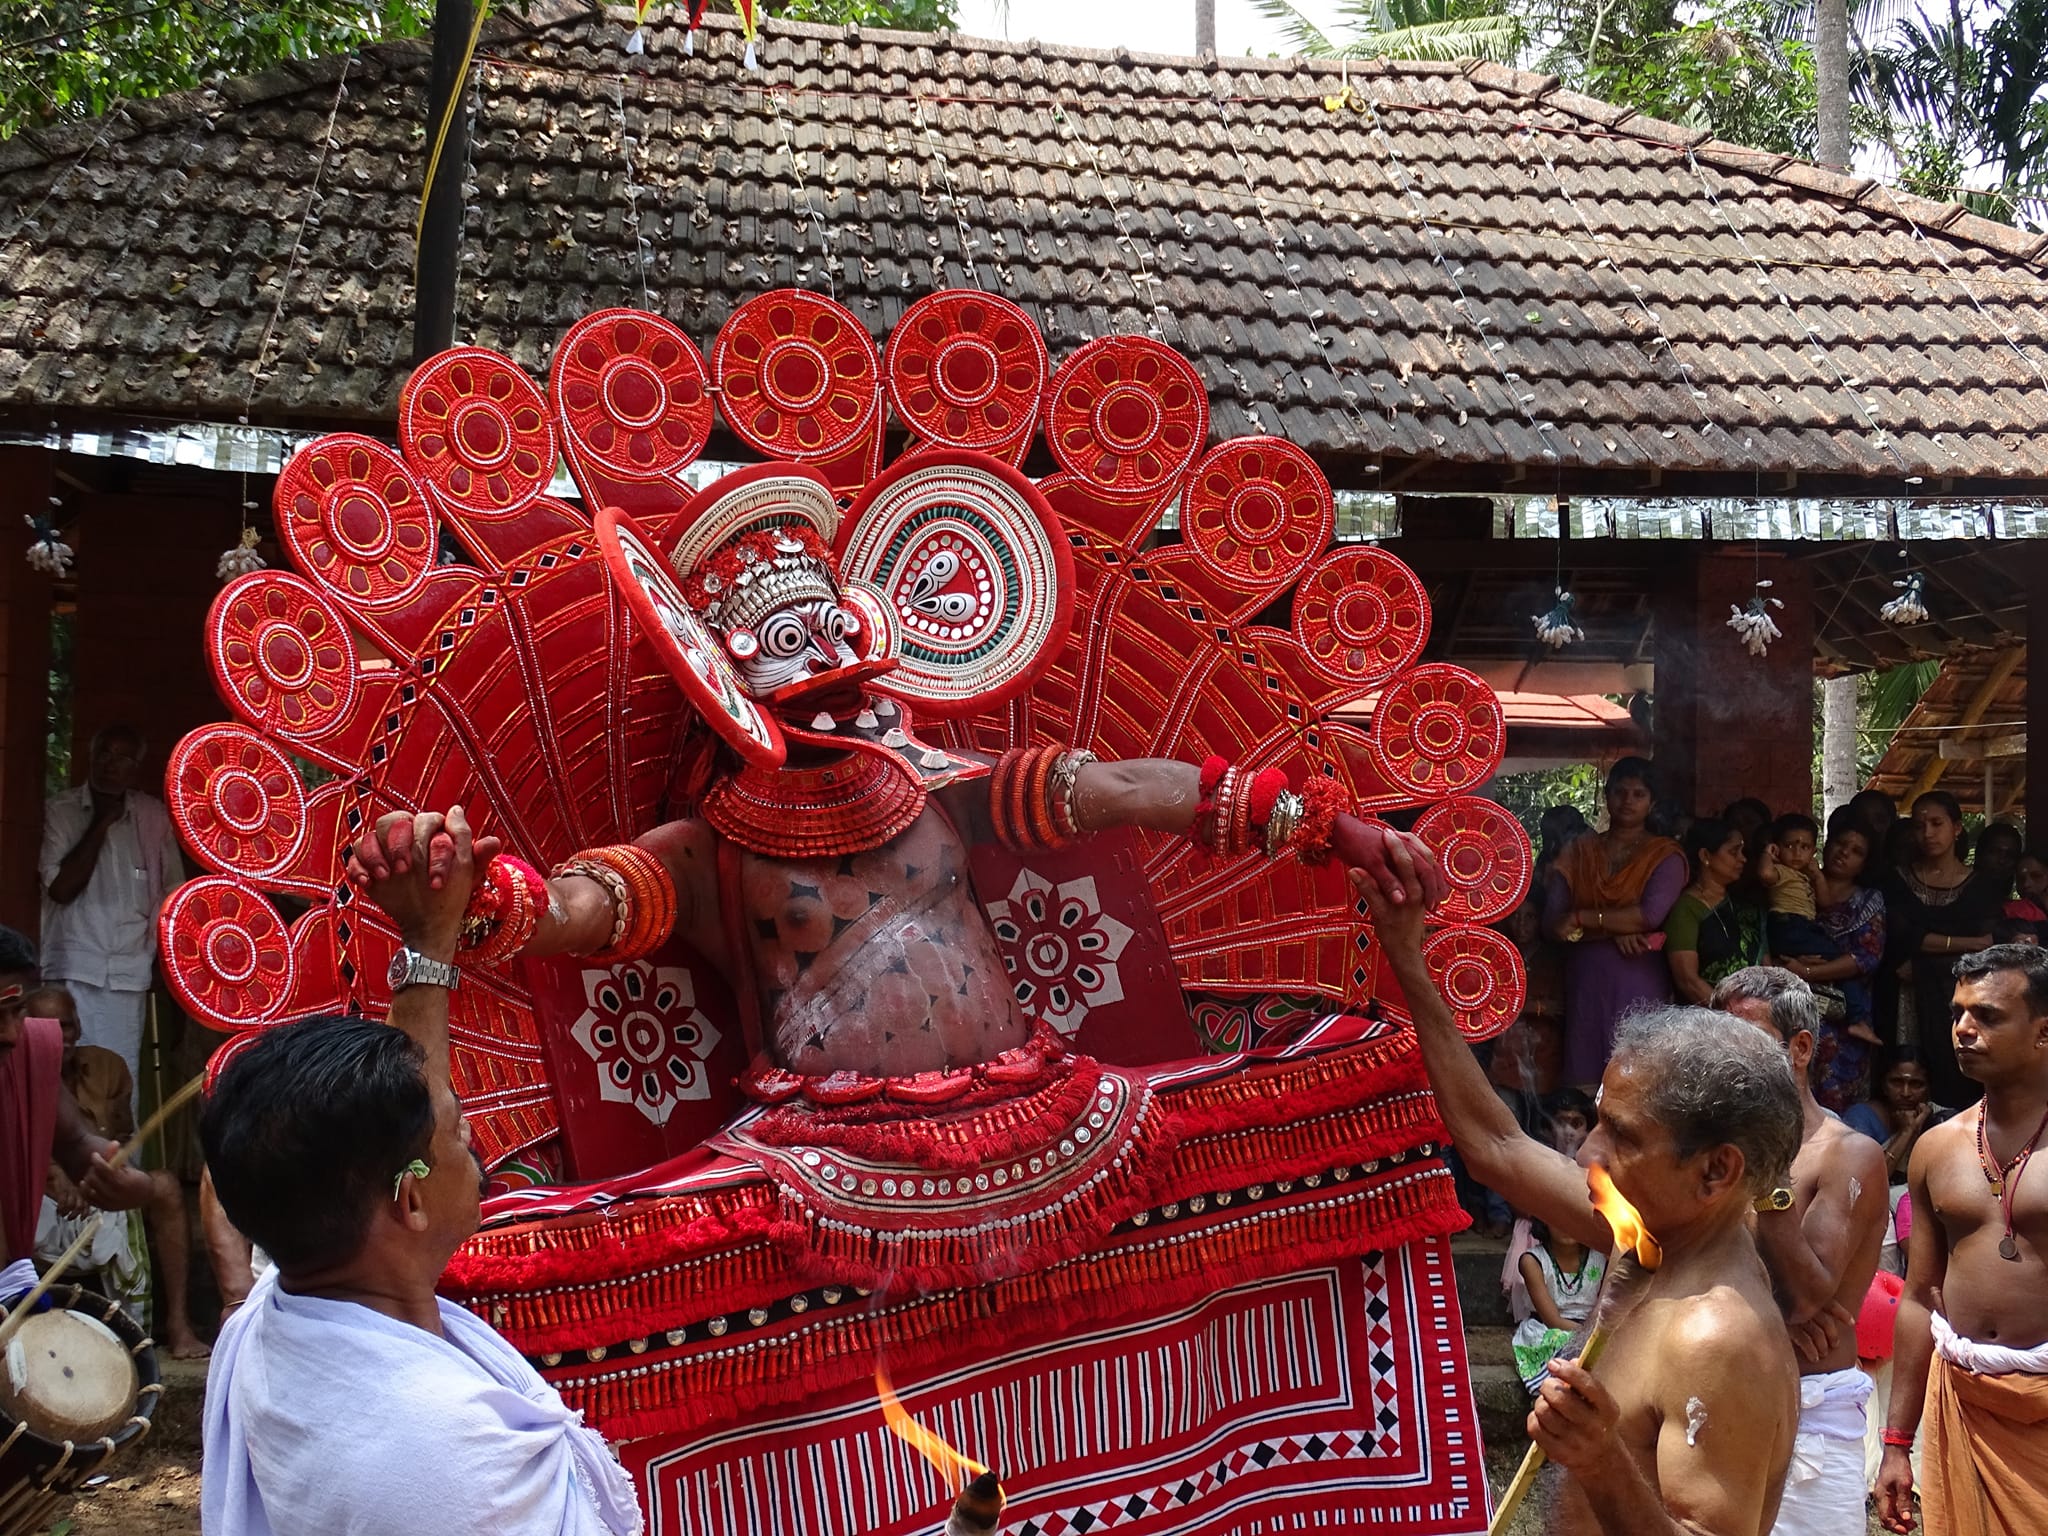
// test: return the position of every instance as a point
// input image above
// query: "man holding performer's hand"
(1688, 1426)
(346, 1398)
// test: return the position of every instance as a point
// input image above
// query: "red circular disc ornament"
(477, 429)
(689, 651)
(631, 393)
(967, 370)
(1361, 616)
(1437, 731)
(228, 953)
(1128, 415)
(977, 573)
(1484, 854)
(237, 799)
(797, 375)
(1479, 971)
(1258, 510)
(284, 659)
(356, 519)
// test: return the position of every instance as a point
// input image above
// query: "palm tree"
(1407, 29)
(1968, 99)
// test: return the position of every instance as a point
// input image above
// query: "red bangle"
(1903, 1439)
(1324, 799)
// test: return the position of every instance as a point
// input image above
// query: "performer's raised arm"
(1043, 796)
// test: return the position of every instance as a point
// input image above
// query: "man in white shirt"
(109, 858)
(346, 1398)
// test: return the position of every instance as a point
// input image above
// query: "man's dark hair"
(1794, 821)
(17, 953)
(306, 1129)
(1710, 1079)
(1792, 1004)
(2030, 960)
(1568, 1101)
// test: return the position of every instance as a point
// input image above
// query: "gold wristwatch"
(1779, 1199)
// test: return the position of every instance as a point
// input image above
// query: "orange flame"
(956, 1469)
(1629, 1231)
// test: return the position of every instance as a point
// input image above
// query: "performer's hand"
(114, 1189)
(1895, 1489)
(1396, 919)
(1367, 848)
(420, 869)
(1632, 943)
(1574, 1417)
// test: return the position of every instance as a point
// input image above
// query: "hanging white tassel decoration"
(1910, 606)
(46, 552)
(1754, 623)
(753, 59)
(1557, 628)
(242, 559)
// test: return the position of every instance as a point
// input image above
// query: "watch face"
(394, 975)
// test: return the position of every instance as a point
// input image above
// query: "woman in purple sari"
(1852, 913)
(1605, 900)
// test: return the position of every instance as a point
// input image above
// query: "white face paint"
(1695, 1420)
(795, 642)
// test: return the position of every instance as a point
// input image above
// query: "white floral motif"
(650, 1041)
(1060, 948)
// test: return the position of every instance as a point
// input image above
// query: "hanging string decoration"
(1754, 623)
(1559, 627)
(243, 558)
(47, 552)
(1910, 606)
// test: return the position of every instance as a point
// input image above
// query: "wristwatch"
(410, 968)
(1779, 1199)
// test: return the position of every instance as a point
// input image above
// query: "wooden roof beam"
(2002, 669)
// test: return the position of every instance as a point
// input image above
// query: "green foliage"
(64, 59)
(57, 706)
(903, 15)
(1529, 795)
(1965, 100)
(1407, 29)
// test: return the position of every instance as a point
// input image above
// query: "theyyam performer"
(917, 931)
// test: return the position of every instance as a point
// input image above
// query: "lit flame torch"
(1629, 1234)
(978, 1501)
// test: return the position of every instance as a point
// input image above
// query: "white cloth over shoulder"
(324, 1418)
(1986, 1359)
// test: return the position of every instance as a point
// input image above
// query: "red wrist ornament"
(503, 911)
(1323, 801)
(1903, 1439)
(644, 901)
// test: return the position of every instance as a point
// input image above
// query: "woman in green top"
(1709, 934)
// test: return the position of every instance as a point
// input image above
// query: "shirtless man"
(1821, 1244)
(1689, 1425)
(1972, 1339)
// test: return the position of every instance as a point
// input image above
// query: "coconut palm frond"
(1303, 35)
(1499, 38)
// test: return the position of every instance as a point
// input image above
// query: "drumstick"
(150, 1127)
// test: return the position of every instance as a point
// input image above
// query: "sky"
(1147, 26)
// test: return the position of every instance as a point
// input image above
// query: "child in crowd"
(1797, 892)
(1563, 1280)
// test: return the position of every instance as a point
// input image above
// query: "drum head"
(68, 1376)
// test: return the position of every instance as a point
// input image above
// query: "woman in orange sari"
(1605, 900)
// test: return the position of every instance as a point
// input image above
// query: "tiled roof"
(1446, 280)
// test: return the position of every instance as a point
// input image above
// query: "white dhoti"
(1824, 1487)
(113, 1018)
(119, 1252)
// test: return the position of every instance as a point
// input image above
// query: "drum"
(78, 1385)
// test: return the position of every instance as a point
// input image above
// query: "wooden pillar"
(26, 478)
(2033, 555)
(1730, 724)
